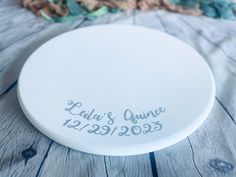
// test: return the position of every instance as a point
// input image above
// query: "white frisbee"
(116, 90)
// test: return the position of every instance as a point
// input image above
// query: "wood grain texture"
(210, 151)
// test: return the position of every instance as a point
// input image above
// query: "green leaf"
(74, 8)
(46, 16)
(59, 19)
(97, 13)
(65, 19)
(54, 1)
(209, 11)
(114, 10)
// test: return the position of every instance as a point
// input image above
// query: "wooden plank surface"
(210, 151)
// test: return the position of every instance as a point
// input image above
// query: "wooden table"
(210, 151)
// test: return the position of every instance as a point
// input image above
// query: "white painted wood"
(210, 151)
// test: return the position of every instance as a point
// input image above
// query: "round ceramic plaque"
(116, 90)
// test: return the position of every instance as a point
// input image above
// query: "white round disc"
(116, 90)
